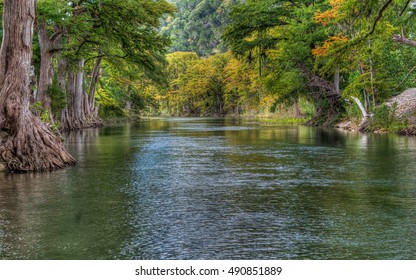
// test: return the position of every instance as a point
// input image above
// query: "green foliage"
(278, 49)
(120, 29)
(53, 11)
(38, 110)
(123, 33)
(57, 95)
(359, 42)
(384, 119)
(109, 105)
(197, 26)
(307, 107)
(196, 85)
(243, 87)
(250, 32)
(127, 89)
(353, 113)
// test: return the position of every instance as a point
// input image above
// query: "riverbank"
(396, 115)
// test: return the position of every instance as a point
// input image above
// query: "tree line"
(51, 62)
(67, 64)
(330, 53)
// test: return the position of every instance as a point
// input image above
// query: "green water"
(216, 189)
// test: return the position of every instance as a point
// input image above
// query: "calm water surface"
(216, 189)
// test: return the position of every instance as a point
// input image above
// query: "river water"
(216, 189)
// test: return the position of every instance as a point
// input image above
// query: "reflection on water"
(216, 189)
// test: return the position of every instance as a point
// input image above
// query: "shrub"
(384, 119)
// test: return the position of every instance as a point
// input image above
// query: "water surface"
(216, 189)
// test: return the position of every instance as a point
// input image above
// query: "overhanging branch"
(403, 40)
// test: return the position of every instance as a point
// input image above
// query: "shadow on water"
(216, 189)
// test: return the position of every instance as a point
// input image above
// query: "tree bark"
(80, 113)
(372, 75)
(365, 92)
(403, 40)
(48, 46)
(337, 80)
(28, 144)
(73, 117)
(92, 112)
(46, 69)
(363, 126)
(127, 104)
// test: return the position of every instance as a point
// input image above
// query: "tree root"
(34, 148)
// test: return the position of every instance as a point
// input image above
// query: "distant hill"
(198, 25)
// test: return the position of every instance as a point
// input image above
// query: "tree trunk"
(72, 117)
(28, 144)
(372, 76)
(127, 104)
(79, 113)
(337, 80)
(46, 69)
(96, 73)
(48, 46)
(365, 93)
(92, 112)
(62, 68)
(363, 126)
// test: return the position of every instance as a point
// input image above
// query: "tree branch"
(380, 14)
(363, 111)
(405, 78)
(403, 40)
(56, 36)
(404, 8)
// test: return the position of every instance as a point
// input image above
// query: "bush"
(111, 110)
(353, 113)
(57, 95)
(384, 119)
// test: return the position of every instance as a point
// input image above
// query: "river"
(216, 189)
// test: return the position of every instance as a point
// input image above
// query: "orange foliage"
(323, 50)
(324, 17)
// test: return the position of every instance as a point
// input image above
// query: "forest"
(322, 57)
(67, 65)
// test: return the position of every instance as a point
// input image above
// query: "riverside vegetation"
(80, 62)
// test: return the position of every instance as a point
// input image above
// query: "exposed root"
(75, 124)
(34, 148)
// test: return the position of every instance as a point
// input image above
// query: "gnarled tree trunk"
(80, 111)
(92, 105)
(27, 144)
(46, 69)
(48, 45)
(72, 115)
